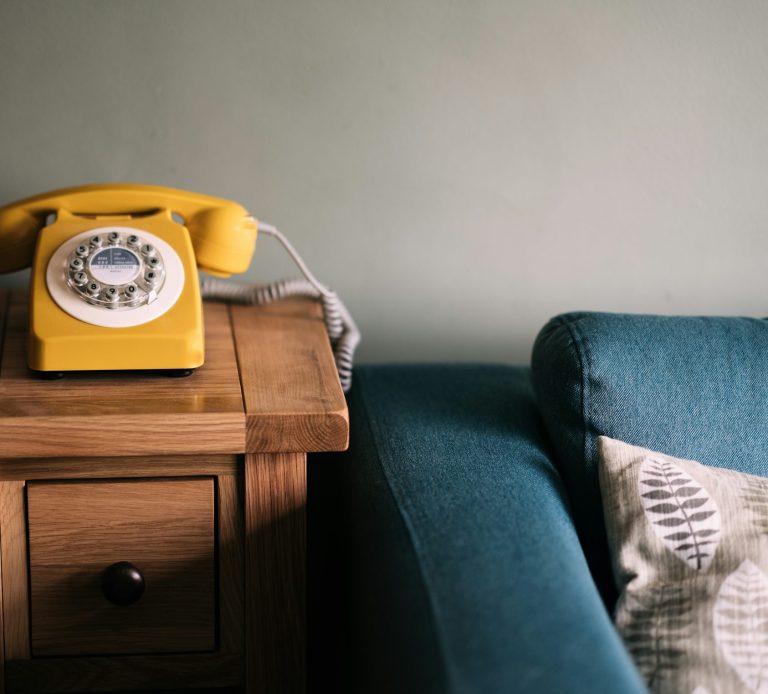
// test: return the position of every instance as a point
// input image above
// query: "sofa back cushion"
(694, 387)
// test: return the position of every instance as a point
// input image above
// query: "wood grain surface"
(121, 413)
(293, 399)
(231, 564)
(286, 396)
(275, 522)
(78, 529)
(13, 537)
(4, 298)
(126, 466)
(86, 454)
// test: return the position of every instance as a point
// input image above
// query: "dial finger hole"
(111, 294)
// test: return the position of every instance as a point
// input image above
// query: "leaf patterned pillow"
(689, 546)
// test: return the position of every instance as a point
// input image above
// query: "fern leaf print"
(755, 495)
(741, 624)
(655, 625)
(683, 515)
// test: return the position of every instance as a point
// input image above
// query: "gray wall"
(459, 171)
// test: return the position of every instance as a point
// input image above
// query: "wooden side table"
(152, 530)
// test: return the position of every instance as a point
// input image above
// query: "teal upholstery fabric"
(692, 387)
(462, 569)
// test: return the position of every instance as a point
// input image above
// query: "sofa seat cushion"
(693, 387)
(462, 568)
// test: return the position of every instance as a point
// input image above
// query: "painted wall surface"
(460, 171)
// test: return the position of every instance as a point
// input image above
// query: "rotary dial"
(116, 270)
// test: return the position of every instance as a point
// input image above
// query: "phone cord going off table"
(342, 330)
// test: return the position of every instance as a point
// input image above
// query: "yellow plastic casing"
(60, 342)
(218, 236)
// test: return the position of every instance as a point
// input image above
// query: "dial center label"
(115, 266)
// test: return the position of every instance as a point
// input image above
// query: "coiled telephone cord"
(342, 330)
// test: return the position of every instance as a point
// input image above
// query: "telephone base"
(62, 338)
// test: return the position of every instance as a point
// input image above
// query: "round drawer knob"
(122, 583)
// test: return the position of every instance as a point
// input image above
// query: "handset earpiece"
(224, 239)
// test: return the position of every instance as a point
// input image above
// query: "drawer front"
(164, 529)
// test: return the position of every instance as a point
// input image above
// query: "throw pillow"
(689, 547)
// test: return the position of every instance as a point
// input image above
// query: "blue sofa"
(459, 545)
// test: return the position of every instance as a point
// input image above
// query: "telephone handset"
(222, 233)
(114, 276)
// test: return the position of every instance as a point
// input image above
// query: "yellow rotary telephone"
(114, 272)
(114, 276)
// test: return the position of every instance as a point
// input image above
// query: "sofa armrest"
(460, 567)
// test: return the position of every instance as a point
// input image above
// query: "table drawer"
(163, 527)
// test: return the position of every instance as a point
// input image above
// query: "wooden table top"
(269, 384)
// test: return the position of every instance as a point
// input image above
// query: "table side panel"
(13, 537)
(275, 565)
